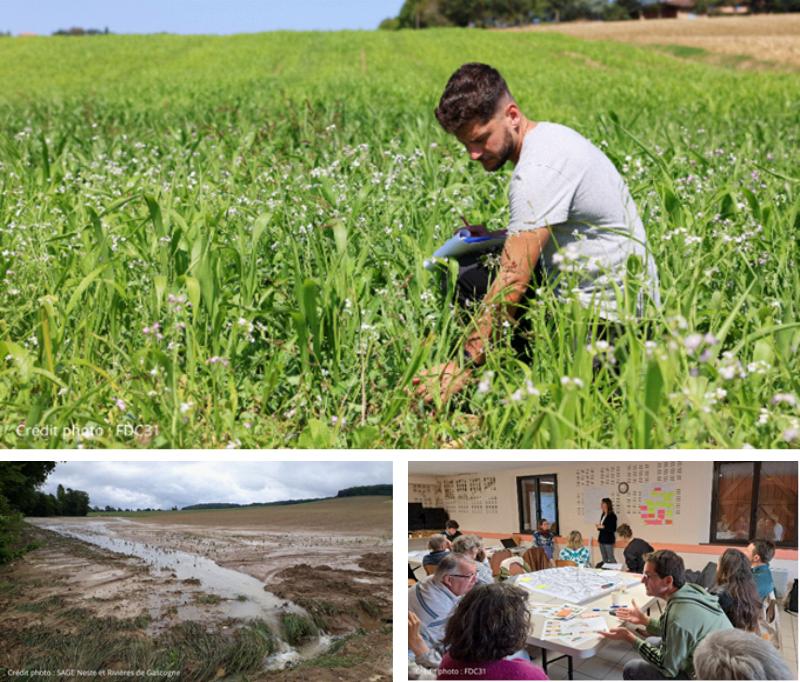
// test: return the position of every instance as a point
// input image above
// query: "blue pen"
(613, 608)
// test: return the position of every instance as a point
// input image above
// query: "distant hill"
(231, 505)
(363, 490)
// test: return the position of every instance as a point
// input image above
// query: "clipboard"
(461, 244)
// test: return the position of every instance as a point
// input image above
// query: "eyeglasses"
(471, 576)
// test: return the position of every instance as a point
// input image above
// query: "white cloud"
(140, 485)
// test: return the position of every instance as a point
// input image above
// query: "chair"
(497, 558)
(430, 569)
(517, 539)
(411, 582)
(536, 558)
(515, 569)
(560, 563)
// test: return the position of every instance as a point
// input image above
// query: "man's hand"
(415, 641)
(450, 377)
(619, 634)
(633, 615)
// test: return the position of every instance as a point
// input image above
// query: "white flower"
(693, 342)
(120, 404)
(185, 407)
(790, 434)
(787, 398)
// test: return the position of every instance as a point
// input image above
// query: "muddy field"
(765, 39)
(223, 578)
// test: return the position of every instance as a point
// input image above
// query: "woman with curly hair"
(490, 623)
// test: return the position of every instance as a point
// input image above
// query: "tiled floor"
(608, 663)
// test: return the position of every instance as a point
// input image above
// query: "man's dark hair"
(764, 549)
(474, 91)
(625, 531)
(668, 563)
(451, 524)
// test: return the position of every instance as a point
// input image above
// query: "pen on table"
(612, 609)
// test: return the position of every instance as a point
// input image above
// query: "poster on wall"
(591, 503)
(658, 504)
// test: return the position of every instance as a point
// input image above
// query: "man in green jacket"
(690, 615)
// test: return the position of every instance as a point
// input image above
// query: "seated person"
(736, 591)
(472, 546)
(760, 553)
(451, 531)
(489, 624)
(575, 550)
(545, 539)
(738, 655)
(635, 549)
(690, 615)
(433, 599)
(436, 543)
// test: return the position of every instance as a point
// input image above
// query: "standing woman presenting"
(607, 528)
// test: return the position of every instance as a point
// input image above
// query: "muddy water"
(243, 596)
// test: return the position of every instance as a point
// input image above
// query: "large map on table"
(576, 585)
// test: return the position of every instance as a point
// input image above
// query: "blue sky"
(221, 17)
(162, 485)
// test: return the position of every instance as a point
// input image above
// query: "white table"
(587, 649)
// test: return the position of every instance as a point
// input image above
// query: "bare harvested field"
(764, 38)
(143, 591)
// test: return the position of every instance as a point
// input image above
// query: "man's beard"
(498, 161)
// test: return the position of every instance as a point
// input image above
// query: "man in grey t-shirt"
(572, 219)
(564, 183)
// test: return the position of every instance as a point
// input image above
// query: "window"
(538, 499)
(754, 500)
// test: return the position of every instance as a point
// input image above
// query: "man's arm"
(517, 263)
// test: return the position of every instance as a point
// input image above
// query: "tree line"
(380, 489)
(67, 502)
(501, 13)
(232, 505)
(18, 494)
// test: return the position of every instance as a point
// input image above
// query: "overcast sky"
(162, 485)
(221, 17)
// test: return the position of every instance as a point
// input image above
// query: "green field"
(218, 242)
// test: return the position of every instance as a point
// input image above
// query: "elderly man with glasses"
(433, 599)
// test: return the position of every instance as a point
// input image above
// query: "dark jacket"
(634, 555)
(609, 528)
(433, 558)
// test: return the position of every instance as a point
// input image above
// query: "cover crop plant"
(218, 242)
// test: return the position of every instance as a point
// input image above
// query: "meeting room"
(636, 570)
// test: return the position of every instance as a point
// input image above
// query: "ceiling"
(455, 468)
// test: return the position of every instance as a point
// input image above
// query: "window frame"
(754, 503)
(521, 503)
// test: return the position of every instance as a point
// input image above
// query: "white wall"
(487, 503)
(475, 510)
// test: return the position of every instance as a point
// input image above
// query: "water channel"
(232, 586)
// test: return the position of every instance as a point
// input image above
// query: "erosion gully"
(230, 585)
